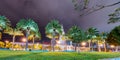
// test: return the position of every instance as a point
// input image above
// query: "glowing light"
(100, 44)
(58, 42)
(24, 40)
(6, 41)
(112, 46)
(37, 44)
(83, 43)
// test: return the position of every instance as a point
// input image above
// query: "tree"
(91, 34)
(115, 16)
(104, 36)
(14, 32)
(114, 36)
(4, 24)
(53, 30)
(27, 26)
(49, 29)
(76, 34)
(101, 37)
(86, 7)
(33, 36)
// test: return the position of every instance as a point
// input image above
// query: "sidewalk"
(111, 59)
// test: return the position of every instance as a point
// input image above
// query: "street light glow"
(83, 43)
(58, 42)
(24, 40)
(101, 45)
(6, 41)
(112, 46)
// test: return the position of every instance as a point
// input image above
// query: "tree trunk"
(105, 48)
(26, 42)
(33, 43)
(0, 35)
(75, 47)
(99, 49)
(53, 42)
(89, 45)
(116, 49)
(13, 41)
(78, 48)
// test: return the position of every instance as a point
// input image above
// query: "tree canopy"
(51, 26)
(24, 24)
(92, 32)
(114, 36)
(76, 34)
(4, 24)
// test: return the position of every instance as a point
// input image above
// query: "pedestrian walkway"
(111, 59)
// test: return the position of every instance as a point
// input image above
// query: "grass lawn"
(22, 55)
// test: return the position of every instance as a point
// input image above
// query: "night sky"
(43, 11)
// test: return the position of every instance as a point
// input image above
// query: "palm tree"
(91, 34)
(76, 35)
(99, 41)
(104, 37)
(34, 36)
(4, 23)
(27, 26)
(53, 30)
(15, 32)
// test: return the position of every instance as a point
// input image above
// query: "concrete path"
(111, 59)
